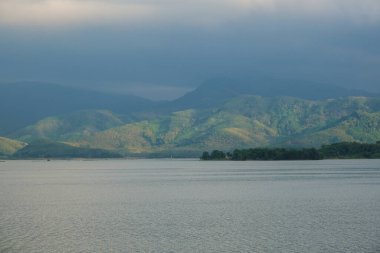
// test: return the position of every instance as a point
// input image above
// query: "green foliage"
(276, 154)
(205, 156)
(336, 150)
(351, 150)
(215, 155)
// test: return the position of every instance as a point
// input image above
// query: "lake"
(190, 206)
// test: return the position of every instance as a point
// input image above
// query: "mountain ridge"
(205, 120)
(242, 122)
(214, 92)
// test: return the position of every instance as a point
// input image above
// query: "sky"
(161, 49)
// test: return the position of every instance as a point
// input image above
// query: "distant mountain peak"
(214, 92)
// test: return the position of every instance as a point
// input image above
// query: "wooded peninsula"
(342, 150)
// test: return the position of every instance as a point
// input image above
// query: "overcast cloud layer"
(68, 12)
(171, 46)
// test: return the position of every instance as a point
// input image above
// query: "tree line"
(342, 150)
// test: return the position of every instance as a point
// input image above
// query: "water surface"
(190, 206)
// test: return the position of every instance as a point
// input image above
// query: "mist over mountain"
(215, 91)
(24, 103)
(159, 49)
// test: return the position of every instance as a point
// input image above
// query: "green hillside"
(8, 146)
(341, 150)
(241, 122)
(70, 126)
(49, 149)
(359, 126)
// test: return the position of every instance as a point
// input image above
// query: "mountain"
(242, 122)
(49, 149)
(70, 126)
(8, 146)
(24, 103)
(216, 91)
(221, 114)
(360, 126)
(248, 121)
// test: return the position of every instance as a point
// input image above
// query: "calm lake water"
(190, 206)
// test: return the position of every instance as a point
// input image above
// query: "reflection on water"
(189, 206)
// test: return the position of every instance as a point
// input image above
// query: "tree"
(205, 156)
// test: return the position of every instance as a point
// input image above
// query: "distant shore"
(342, 150)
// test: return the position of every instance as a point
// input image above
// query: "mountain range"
(220, 114)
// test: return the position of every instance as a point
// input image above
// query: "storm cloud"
(165, 48)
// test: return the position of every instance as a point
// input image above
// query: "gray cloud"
(172, 46)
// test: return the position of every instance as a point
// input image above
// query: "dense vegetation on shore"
(343, 150)
(351, 150)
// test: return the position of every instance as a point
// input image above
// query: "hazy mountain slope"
(216, 91)
(25, 103)
(70, 126)
(8, 146)
(22, 104)
(48, 149)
